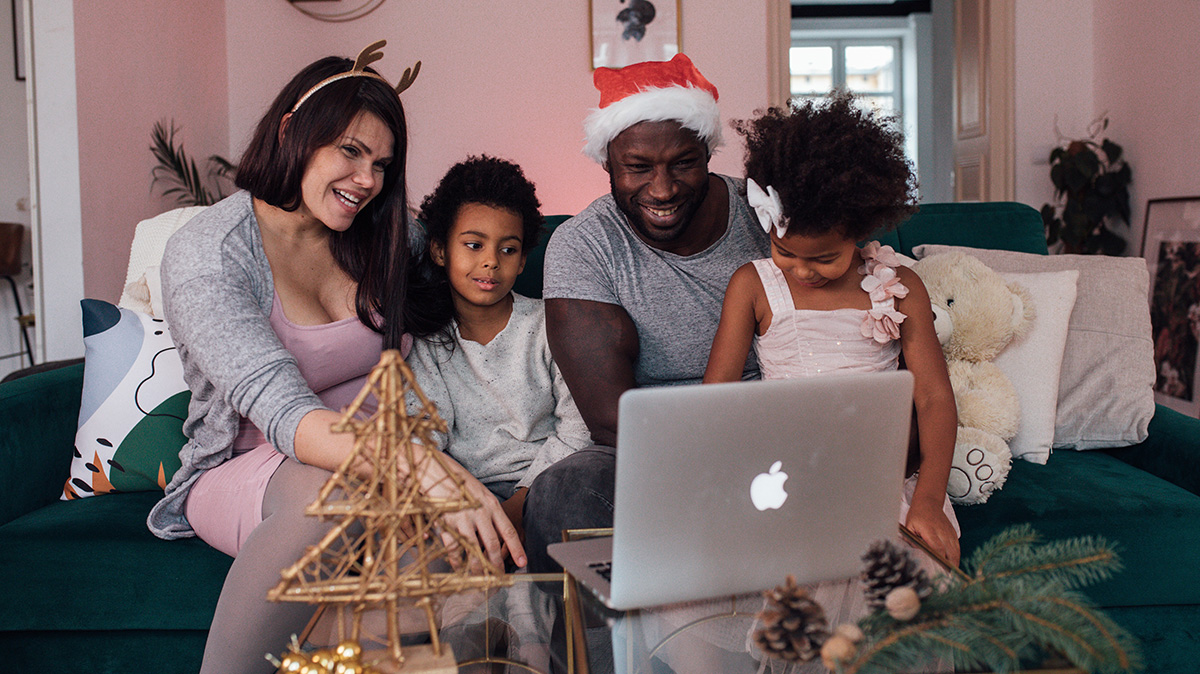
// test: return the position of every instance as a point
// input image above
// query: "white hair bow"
(767, 206)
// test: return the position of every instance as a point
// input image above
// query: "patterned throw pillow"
(134, 404)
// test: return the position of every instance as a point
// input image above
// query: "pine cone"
(888, 566)
(793, 625)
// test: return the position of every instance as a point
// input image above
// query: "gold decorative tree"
(386, 552)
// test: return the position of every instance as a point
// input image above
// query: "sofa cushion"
(1033, 363)
(1106, 389)
(134, 404)
(1003, 225)
(529, 281)
(104, 652)
(92, 564)
(37, 430)
(1094, 494)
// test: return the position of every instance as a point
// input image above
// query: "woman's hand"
(488, 525)
(929, 522)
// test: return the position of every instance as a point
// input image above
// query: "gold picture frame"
(631, 31)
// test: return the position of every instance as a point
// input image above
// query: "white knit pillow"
(149, 242)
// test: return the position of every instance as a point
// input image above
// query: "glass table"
(503, 629)
(709, 636)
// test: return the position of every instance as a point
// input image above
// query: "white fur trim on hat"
(693, 108)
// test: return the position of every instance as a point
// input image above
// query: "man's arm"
(595, 345)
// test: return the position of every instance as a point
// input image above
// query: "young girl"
(822, 176)
(488, 367)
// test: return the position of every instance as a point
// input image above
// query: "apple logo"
(766, 491)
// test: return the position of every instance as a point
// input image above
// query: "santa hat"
(654, 91)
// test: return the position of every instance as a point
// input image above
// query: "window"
(869, 68)
(893, 56)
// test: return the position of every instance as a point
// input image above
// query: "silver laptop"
(723, 489)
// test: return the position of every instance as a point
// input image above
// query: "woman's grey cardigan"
(217, 295)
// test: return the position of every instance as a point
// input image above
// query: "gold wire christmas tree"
(386, 551)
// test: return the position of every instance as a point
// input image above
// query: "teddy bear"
(976, 315)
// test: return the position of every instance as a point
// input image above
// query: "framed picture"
(1171, 246)
(632, 31)
(18, 23)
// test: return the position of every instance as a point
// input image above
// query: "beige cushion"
(1106, 386)
(1034, 363)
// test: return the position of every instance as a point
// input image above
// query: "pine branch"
(1021, 536)
(1074, 563)
(1018, 603)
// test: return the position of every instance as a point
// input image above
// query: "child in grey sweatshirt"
(489, 370)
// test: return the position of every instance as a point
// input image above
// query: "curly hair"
(477, 180)
(836, 165)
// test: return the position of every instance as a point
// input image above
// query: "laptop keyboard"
(602, 568)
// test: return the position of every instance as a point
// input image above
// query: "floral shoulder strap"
(882, 283)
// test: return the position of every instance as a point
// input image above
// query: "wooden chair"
(12, 239)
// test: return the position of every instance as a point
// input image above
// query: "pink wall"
(137, 62)
(1053, 66)
(1145, 77)
(508, 78)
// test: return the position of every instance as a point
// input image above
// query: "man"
(634, 283)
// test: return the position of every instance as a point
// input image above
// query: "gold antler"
(369, 55)
(409, 76)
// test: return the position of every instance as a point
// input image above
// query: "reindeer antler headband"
(370, 54)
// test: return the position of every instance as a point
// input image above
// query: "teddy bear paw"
(980, 466)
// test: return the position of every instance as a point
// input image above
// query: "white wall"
(57, 248)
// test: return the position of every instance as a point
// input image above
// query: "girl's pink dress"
(807, 343)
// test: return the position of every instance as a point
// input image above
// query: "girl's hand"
(929, 522)
(514, 507)
(488, 525)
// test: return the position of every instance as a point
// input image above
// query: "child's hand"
(487, 525)
(514, 507)
(930, 523)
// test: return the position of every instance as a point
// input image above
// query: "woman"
(280, 300)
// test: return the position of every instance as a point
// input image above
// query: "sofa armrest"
(1171, 451)
(38, 416)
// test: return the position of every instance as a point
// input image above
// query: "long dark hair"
(374, 250)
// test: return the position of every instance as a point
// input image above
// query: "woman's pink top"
(807, 342)
(334, 358)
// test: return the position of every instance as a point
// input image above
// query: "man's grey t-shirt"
(674, 301)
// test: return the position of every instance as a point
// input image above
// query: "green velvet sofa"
(88, 589)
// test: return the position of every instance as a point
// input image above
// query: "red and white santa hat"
(654, 91)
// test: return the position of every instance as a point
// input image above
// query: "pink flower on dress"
(882, 324)
(882, 284)
(876, 255)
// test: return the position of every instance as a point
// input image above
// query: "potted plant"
(1091, 189)
(179, 171)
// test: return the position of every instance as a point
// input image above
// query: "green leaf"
(1111, 243)
(1111, 150)
(177, 174)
